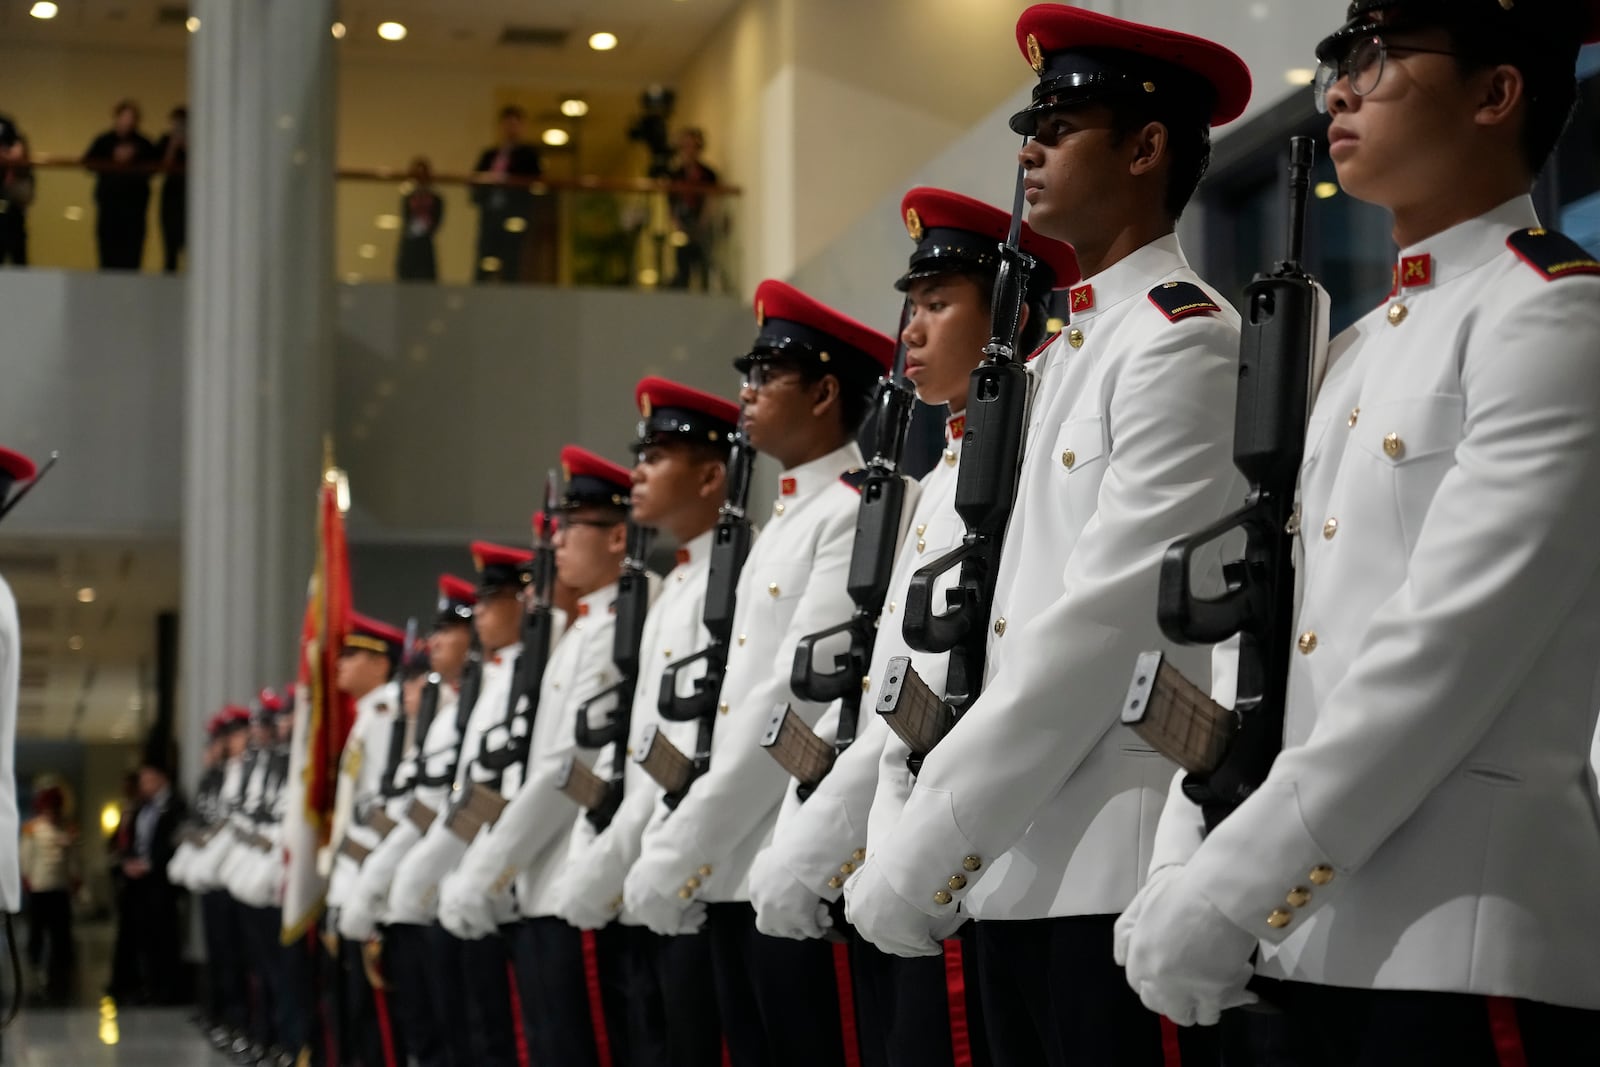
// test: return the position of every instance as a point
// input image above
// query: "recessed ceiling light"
(368, 251)
(1299, 75)
(388, 222)
(73, 213)
(337, 29)
(391, 31)
(602, 41)
(86, 595)
(75, 642)
(191, 23)
(44, 9)
(649, 276)
(1326, 190)
(1260, 10)
(555, 137)
(574, 108)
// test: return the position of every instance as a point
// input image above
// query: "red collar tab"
(955, 427)
(1082, 298)
(683, 557)
(583, 611)
(1416, 270)
(788, 487)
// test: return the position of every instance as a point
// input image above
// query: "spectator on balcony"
(122, 159)
(173, 151)
(16, 193)
(421, 214)
(692, 223)
(504, 201)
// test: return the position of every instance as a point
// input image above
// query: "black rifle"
(538, 634)
(633, 603)
(1229, 752)
(16, 498)
(986, 489)
(397, 732)
(878, 521)
(730, 545)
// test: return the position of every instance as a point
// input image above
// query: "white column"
(258, 359)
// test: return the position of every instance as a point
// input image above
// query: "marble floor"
(106, 1037)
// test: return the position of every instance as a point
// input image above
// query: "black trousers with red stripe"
(778, 998)
(558, 989)
(1328, 1026)
(1054, 997)
(922, 1012)
(673, 1001)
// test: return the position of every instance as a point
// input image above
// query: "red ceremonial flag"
(323, 719)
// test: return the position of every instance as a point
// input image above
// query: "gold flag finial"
(327, 456)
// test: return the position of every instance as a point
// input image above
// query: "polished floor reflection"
(106, 1037)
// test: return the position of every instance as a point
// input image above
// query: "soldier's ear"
(714, 479)
(617, 539)
(825, 395)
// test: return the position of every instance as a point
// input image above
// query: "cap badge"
(761, 313)
(644, 404)
(913, 224)
(1035, 57)
(566, 471)
(1149, 87)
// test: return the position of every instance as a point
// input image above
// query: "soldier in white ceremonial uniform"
(911, 1011)
(224, 935)
(526, 847)
(367, 662)
(474, 984)
(14, 468)
(679, 482)
(1036, 813)
(1417, 870)
(419, 792)
(809, 377)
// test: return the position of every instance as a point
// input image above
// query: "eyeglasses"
(764, 373)
(1362, 63)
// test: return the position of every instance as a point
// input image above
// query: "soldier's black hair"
(1550, 89)
(1188, 142)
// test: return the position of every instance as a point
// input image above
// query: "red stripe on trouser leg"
(1171, 1052)
(519, 1036)
(847, 1005)
(380, 1002)
(727, 1057)
(597, 1005)
(1506, 1032)
(955, 988)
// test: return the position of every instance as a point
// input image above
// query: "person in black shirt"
(689, 215)
(121, 157)
(173, 151)
(16, 193)
(503, 199)
(421, 214)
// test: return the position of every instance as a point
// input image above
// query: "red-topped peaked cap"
(456, 599)
(500, 568)
(268, 706)
(793, 326)
(373, 635)
(954, 232)
(592, 481)
(670, 413)
(1540, 31)
(14, 467)
(233, 717)
(1083, 56)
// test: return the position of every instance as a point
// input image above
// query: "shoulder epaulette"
(1552, 254)
(1179, 300)
(854, 478)
(1048, 341)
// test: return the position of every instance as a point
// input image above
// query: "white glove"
(465, 908)
(1123, 931)
(1185, 959)
(888, 920)
(589, 895)
(358, 919)
(668, 914)
(785, 906)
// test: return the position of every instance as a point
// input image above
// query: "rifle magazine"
(663, 761)
(1176, 717)
(913, 711)
(796, 747)
(420, 815)
(586, 788)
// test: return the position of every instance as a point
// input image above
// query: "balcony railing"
(459, 229)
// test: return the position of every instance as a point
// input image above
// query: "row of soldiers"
(856, 791)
